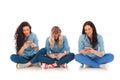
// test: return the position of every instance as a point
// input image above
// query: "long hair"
(55, 30)
(94, 41)
(19, 35)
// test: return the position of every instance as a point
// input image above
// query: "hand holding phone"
(87, 48)
(27, 44)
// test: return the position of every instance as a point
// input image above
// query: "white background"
(69, 15)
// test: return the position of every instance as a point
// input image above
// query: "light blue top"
(84, 42)
(30, 50)
(56, 49)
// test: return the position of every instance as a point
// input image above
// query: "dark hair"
(19, 35)
(94, 41)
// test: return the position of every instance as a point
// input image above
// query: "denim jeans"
(63, 60)
(33, 59)
(94, 62)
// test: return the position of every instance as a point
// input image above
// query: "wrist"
(34, 45)
(95, 51)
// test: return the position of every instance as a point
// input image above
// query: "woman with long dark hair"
(26, 46)
(91, 47)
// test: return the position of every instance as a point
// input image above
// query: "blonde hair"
(55, 30)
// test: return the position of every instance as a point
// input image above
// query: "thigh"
(105, 59)
(46, 59)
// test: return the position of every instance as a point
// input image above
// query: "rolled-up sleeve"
(65, 44)
(35, 40)
(47, 45)
(80, 43)
(101, 44)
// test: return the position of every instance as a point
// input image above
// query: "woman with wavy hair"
(91, 48)
(58, 50)
(26, 46)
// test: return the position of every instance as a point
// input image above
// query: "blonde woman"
(58, 50)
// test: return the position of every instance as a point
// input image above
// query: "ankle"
(28, 64)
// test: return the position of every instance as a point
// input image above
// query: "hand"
(85, 51)
(52, 55)
(60, 55)
(91, 50)
(33, 45)
(27, 44)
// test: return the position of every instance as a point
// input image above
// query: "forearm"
(98, 53)
(83, 52)
(20, 52)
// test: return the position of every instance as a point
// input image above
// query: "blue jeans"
(95, 62)
(33, 59)
(63, 60)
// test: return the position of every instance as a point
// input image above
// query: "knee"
(71, 55)
(12, 57)
(77, 56)
(110, 57)
(42, 51)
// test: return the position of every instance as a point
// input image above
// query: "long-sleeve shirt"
(56, 49)
(85, 42)
(30, 50)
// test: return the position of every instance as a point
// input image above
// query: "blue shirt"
(30, 50)
(56, 49)
(85, 42)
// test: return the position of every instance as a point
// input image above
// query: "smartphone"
(29, 42)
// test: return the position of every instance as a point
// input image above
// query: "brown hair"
(19, 35)
(94, 41)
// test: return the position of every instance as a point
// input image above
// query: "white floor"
(70, 16)
(71, 73)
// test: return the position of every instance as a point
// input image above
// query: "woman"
(58, 51)
(26, 46)
(91, 48)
